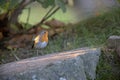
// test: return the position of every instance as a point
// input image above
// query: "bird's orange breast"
(45, 37)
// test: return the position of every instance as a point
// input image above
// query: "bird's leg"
(41, 52)
(37, 52)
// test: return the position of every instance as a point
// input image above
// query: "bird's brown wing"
(37, 39)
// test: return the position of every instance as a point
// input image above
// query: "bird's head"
(43, 32)
(42, 36)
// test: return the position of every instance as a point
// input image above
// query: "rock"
(114, 43)
(78, 64)
(118, 51)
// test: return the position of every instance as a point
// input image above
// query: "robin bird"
(41, 40)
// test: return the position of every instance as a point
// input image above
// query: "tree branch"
(18, 10)
(47, 13)
(47, 16)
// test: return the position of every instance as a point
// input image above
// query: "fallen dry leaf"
(55, 23)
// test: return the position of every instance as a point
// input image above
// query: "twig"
(48, 16)
(15, 56)
(48, 13)
(29, 10)
(45, 17)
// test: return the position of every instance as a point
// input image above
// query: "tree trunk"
(18, 10)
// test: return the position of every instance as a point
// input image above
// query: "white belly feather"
(41, 44)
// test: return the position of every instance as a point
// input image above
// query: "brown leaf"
(1, 35)
(20, 41)
(55, 23)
